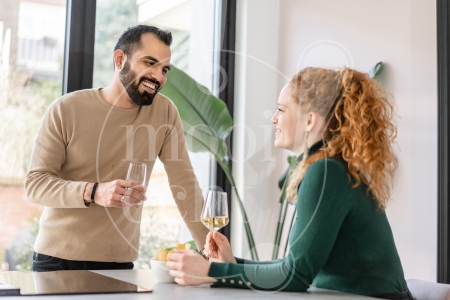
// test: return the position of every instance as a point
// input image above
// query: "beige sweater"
(84, 139)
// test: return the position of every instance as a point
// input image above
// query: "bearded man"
(86, 141)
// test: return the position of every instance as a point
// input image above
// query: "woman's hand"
(189, 268)
(218, 249)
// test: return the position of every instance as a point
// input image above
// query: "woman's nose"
(274, 118)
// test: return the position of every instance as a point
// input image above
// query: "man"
(84, 146)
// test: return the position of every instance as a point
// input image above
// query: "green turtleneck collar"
(313, 149)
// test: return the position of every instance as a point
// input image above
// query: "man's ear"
(119, 59)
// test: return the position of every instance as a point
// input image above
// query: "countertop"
(145, 278)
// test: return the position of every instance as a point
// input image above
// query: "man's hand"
(117, 193)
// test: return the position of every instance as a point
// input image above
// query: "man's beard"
(127, 77)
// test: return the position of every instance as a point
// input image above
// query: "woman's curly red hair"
(358, 126)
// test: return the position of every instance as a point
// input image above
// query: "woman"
(341, 239)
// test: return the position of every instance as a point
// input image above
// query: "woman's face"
(290, 123)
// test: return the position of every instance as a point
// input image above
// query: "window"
(31, 55)
(32, 39)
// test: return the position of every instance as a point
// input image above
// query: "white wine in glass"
(215, 211)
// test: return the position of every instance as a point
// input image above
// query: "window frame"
(78, 67)
(443, 85)
(227, 63)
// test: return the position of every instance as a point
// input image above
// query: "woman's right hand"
(218, 249)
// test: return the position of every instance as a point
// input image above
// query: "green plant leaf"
(206, 120)
(192, 243)
(292, 161)
(376, 70)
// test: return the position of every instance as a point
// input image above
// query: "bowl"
(160, 271)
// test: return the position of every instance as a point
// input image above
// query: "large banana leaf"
(207, 123)
(206, 119)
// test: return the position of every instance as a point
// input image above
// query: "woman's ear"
(313, 122)
(310, 120)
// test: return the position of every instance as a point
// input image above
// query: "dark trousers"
(45, 263)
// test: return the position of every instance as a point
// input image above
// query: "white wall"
(201, 68)
(256, 94)
(402, 34)
(277, 38)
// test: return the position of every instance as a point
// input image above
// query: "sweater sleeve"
(182, 180)
(43, 184)
(248, 261)
(322, 209)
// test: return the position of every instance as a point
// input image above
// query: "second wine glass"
(215, 210)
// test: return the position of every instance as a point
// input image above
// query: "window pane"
(31, 55)
(192, 25)
(113, 17)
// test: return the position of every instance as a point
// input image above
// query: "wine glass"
(136, 172)
(215, 211)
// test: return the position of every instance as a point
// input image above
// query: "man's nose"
(156, 73)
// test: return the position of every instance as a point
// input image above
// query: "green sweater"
(339, 241)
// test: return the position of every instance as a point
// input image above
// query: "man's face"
(145, 73)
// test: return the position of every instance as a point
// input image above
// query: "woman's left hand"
(189, 268)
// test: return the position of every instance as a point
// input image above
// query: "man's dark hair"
(130, 40)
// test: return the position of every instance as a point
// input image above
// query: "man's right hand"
(117, 193)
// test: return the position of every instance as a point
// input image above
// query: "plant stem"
(275, 251)
(290, 228)
(279, 231)
(281, 218)
(248, 230)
